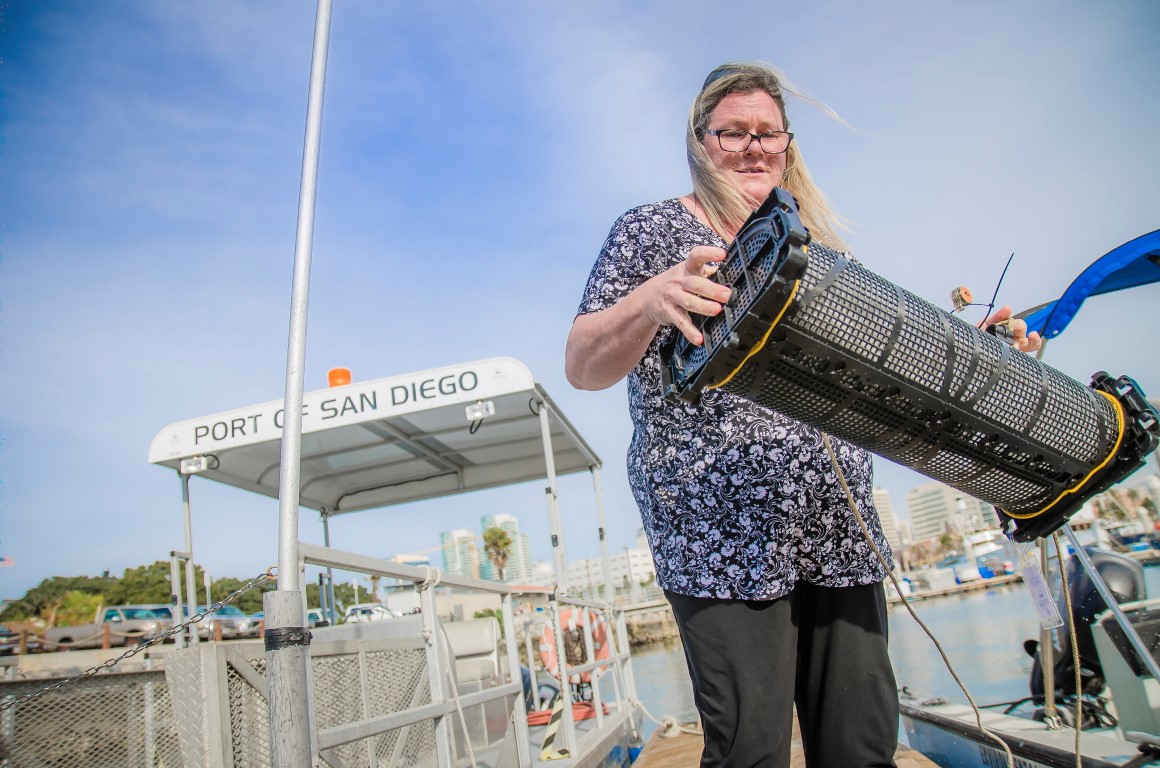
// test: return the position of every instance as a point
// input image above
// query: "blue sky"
(473, 159)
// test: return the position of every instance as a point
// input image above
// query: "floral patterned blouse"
(737, 501)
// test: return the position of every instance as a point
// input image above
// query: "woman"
(777, 595)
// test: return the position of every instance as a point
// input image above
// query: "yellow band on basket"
(1120, 419)
(758, 346)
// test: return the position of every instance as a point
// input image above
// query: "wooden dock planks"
(684, 751)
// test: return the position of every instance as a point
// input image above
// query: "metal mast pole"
(286, 637)
(553, 506)
(190, 588)
(605, 560)
(331, 611)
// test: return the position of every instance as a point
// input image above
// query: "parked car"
(233, 622)
(164, 611)
(314, 617)
(128, 625)
(368, 612)
(10, 642)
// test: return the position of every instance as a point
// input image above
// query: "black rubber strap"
(976, 355)
(1043, 392)
(840, 264)
(949, 330)
(1000, 369)
(899, 322)
(286, 637)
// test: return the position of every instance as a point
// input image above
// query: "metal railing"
(119, 719)
(445, 700)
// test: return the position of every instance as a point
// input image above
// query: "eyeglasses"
(733, 140)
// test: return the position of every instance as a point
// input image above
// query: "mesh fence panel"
(249, 718)
(116, 720)
(352, 687)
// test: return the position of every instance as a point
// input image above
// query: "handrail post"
(1047, 655)
(516, 674)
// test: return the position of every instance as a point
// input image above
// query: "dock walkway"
(684, 751)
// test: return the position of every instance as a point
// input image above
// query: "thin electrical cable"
(870, 540)
(995, 295)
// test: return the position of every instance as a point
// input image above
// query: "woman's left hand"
(1020, 339)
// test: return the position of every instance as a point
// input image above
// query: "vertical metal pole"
(190, 588)
(1047, 655)
(633, 597)
(175, 585)
(436, 675)
(605, 561)
(553, 508)
(569, 730)
(286, 639)
(532, 667)
(514, 671)
(330, 609)
(150, 736)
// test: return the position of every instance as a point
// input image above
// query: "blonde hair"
(725, 207)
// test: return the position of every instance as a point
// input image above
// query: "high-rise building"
(519, 562)
(460, 555)
(934, 510)
(629, 566)
(888, 518)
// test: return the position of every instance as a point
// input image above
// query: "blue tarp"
(1135, 263)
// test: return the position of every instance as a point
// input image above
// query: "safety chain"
(257, 581)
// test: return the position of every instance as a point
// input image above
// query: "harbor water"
(982, 633)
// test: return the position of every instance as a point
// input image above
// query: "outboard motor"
(1124, 578)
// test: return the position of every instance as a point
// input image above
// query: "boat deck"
(684, 751)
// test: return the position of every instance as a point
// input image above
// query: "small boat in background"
(1120, 700)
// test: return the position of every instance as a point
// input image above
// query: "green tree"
(46, 598)
(249, 602)
(144, 584)
(498, 547)
(76, 607)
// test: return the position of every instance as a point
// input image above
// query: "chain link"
(257, 581)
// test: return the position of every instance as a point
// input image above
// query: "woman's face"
(753, 173)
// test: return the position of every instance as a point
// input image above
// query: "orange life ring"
(574, 645)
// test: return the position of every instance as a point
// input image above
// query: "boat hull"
(949, 735)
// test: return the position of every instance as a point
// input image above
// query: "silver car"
(233, 623)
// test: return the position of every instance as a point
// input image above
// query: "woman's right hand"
(670, 297)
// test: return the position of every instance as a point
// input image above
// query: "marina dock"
(684, 751)
(957, 589)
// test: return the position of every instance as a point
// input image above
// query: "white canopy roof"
(389, 441)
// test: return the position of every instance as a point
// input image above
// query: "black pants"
(823, 648)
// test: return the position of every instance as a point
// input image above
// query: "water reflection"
(981, 632)
(662, 682)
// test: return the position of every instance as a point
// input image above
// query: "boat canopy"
(390, 441)
(1135, 263)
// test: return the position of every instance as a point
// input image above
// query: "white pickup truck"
(127, 625)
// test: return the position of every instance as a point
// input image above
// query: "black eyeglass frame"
(752, 136)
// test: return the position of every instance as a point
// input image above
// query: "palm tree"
(498, 546)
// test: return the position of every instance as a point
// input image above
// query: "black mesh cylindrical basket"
(817, 336)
